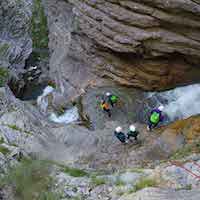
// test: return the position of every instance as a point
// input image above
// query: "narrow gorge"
(58, 59)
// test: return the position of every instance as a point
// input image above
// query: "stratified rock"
(145, 44)
(15, 41)
(189, 128)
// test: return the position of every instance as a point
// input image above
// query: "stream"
(179, 103)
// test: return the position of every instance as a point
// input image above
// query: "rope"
(186, 169)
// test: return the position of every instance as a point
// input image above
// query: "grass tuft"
(187, 150)
(74, 172)
(97, 181)
(1, 140)
(145, 182)
(4, 150)
(4, 74)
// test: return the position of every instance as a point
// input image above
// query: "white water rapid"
(69, 115)
(42, 100)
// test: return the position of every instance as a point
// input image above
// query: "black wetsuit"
(132, 134)
(120, 136)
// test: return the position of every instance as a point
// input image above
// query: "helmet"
(108, 94)
(161, 108)
(132, 128)
(118, 129)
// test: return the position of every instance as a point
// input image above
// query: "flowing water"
(180, 103)
(42, 100)
(70, 115)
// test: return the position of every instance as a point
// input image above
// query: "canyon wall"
(153, 45)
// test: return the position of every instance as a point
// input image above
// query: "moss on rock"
(4, 74)
(39, 26)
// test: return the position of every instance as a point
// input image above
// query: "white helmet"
(161, 108)
(132, 128)
(108, 94)
(118, 129)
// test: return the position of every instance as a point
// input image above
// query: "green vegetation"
(119, 182)
(52, 83)
(145, 182)
(97, 180)
(16, 128)
(39, 26)
(187, 187)
(74, 172)
(137, 170)
(186, 151)
(30, 180)
(1, 140)
(3, 49)
(4, 150)
(4, 74)
(61, 110)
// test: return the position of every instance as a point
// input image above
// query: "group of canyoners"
(155, 117)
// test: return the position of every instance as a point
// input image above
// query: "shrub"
(4, 74)
(30, 180)
(145, 182)
(119, 182)
(4, 150)
(52, 83)
(39, 26)
(1, 140)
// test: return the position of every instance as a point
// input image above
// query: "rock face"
(145, 44)
(159, 194)
(15, 42)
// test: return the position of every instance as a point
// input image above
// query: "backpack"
(114, 98)
(105, 106)
(155, 117)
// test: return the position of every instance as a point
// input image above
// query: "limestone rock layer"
(153, 45)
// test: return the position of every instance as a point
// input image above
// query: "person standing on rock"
(105, 107)
(155, 117)
(120, 135)
(132, 132)
(112, 99)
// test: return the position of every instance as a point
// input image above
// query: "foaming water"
(42, 100)
(69, 116)
(180, 103)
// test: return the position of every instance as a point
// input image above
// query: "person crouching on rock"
(112, 99)
(155, 117)
(120, 135)
(132, 133)
(105, 107)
